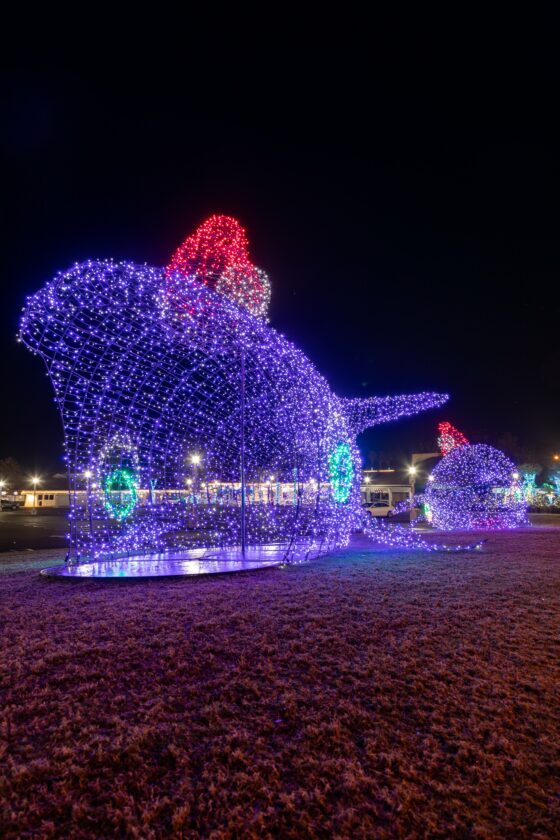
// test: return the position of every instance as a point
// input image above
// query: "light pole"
(87, 476)
(367, 480)
(243, 532)
(412, 478)
(35, 481)
(195, 461)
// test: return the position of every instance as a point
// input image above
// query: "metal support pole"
(243, 530)
(90, 511)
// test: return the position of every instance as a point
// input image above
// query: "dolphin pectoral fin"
(371, 411)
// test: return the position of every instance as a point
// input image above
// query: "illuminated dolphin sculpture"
(473, 487)
(188, 420)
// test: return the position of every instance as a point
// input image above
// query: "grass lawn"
(369, 694)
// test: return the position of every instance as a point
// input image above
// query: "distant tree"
(519, 451)
(530, 469)
(385, 459)
(509, 443)
(371, 460)
(554, 477)
(12, 473)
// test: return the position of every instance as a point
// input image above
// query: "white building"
(45, 498)
(390, 486)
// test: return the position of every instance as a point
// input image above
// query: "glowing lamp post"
(195, 461)
(412, 478)
(35, 481)
(87, 476)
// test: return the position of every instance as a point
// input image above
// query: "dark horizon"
(421, 255)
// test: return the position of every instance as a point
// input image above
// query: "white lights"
(472, 488)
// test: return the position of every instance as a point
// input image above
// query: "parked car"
(9, 504)
(381, 509)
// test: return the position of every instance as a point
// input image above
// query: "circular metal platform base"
(175, 564)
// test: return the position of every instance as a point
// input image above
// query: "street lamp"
(87, 475)
(195, 460)
(412, 478)
(35, 481)
(270, 491)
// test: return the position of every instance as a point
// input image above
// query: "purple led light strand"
(145, 366)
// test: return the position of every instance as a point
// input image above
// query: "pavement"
(22, 531)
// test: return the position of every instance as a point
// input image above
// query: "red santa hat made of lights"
(217, 254)
(449, 438)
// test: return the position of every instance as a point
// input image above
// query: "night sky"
(412, 240)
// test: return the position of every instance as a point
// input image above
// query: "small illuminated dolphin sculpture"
(188, 420)
(473, 487)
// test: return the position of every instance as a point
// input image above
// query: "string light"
(120, 479)
(449, 437)
(341, 472)
(217, 254)
(472, 487)
(398, 537)
(152, 368)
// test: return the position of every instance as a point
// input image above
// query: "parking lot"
(20, 530)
